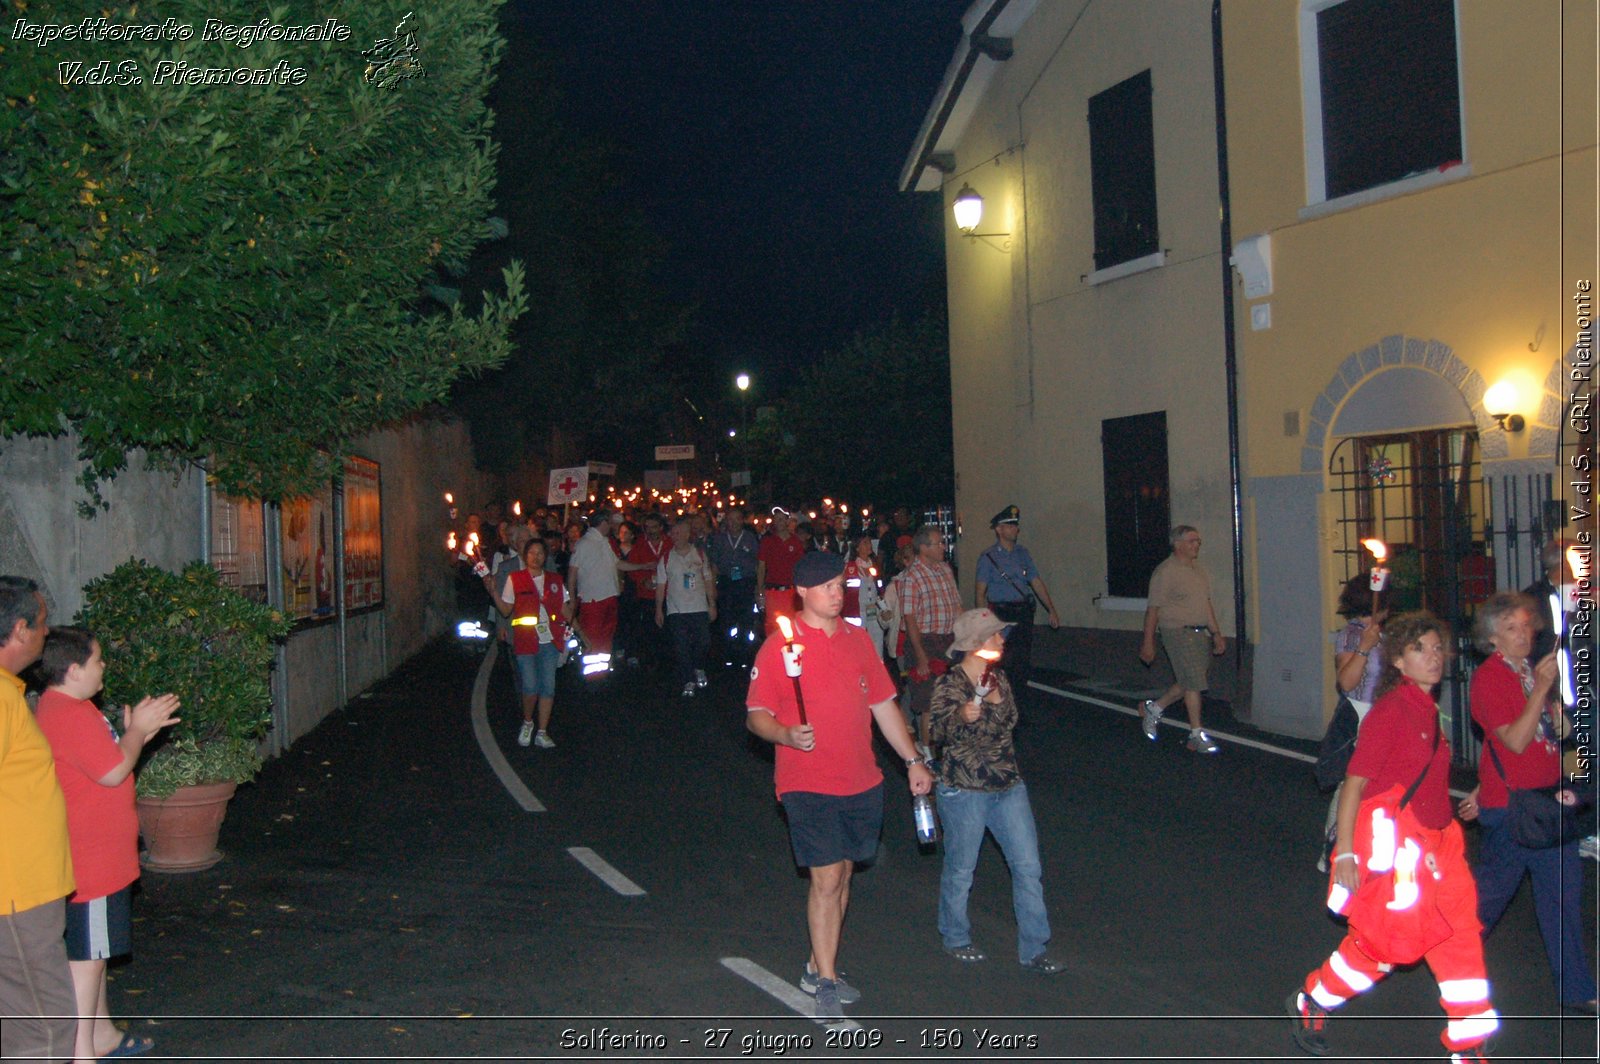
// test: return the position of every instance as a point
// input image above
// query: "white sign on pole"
(569, 485)
(740, 479)
(663, 480)
(602, 469)
(674, 452)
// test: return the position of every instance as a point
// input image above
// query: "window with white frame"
(1382, 90)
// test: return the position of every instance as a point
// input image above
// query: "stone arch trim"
(1435, 357)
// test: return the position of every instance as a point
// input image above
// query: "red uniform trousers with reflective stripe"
(1457, 962)
(598, 622)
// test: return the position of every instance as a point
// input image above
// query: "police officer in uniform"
(1010, 585)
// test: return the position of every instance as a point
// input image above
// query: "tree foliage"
(240, 275)
(868, 421)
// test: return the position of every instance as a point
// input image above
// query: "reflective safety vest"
(532, 612)
(854, 573)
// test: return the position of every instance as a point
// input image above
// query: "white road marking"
(1135, 711)
(491, 749)
(608, 874)
(784, 991)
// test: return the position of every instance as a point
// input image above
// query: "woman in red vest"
(539, 607)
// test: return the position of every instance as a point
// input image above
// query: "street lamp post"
(743, 383)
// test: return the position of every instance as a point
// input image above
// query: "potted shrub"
(192, 635)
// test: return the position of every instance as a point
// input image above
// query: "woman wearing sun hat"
(980, 790)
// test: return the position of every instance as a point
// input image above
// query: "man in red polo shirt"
(645, 555)
(826, 775)
(776, 558)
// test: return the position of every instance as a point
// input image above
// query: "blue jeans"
(966, 815)
(1557, 899)
(536, 672)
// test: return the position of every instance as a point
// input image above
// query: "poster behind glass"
(308, 555)
(363, 535)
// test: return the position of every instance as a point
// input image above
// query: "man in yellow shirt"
(37, 1008)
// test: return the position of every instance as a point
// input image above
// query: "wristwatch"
(916, 761)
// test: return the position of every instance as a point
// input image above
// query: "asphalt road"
(384, 896)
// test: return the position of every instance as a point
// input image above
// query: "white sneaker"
(525, 736)
(543, 741)
(1201, 743)
(688, 690)
(1152, 717)
(700, 678)
(1589, 846)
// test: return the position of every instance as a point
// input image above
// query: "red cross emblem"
(567, 485)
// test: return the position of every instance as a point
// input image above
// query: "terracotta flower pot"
(180, 832)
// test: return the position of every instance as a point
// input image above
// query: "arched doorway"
(1405, 466)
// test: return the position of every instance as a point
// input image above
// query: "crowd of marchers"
(843, 629)
(673, 591)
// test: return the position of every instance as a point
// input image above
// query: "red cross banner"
(568, 485)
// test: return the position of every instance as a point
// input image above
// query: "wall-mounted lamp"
(1499, 402)
(968, 209)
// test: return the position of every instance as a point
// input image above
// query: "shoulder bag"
(1394, 913)
(1538, 817)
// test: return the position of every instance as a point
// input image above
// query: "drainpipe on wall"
(341, 636)
(272, 556)
(205, 517)
(1230, 347)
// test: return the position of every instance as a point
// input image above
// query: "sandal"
(130, 1047)
(967, 954)
(1044, 965)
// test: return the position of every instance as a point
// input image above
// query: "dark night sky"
(763, 140)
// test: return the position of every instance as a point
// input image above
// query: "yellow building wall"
(1039, 357)
(1483, 264)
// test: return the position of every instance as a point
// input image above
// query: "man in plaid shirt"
(930, 604)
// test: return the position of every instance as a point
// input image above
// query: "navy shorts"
(825, 829)
(100, 929)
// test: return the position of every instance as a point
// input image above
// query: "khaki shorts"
(1189, 651)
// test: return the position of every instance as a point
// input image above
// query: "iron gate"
(1422, 493)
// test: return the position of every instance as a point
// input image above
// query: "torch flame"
(1379, 549)
(449, 498)
(450, 541)
(516, 507)
(786, 628)
(1577, 563)
(987, 654)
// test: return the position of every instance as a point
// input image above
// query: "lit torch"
(791, 662)
(450, 542)
(516, 508)
(1380, 576)
(990, 658)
